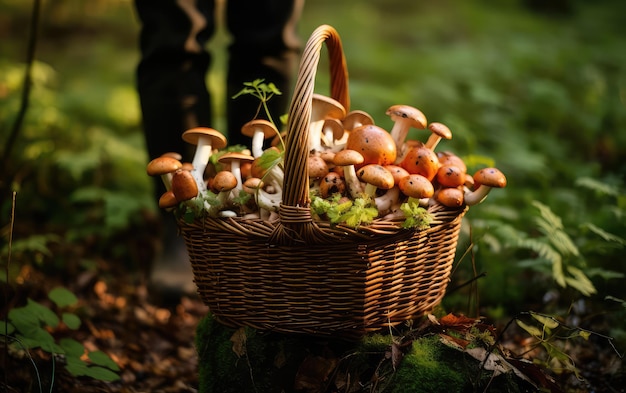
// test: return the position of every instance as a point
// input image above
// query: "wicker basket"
(299, 275)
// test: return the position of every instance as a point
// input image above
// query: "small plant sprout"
(263, 91)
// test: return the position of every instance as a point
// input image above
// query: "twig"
(6, 290)
(19, 119)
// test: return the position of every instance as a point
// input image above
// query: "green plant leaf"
(62, 297)
(71, 320)
(6, 329)
(101, 374)
(76, 366)
(545, 320)
(72, 347)
(102, 359)
(45, 315)
(530, 329)
(24, 321)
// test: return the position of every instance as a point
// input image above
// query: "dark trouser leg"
(265, 46)
(172, 72)
(173, 95)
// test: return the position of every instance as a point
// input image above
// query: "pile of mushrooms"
(350, 157)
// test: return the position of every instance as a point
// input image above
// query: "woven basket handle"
(296, 184)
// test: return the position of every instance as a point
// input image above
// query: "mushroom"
(375, 176)
(417, 187)
(398, 172)
(438, 131)
(386, 202)
(164, 166)
(331, 184)
(184, 185)
(449, 158)
(450, 176)
(347, 159)
(421, 160)
(316, 167)
(356, 118)
(235, 159)
(374, 143)
(450, 196)
(332, 131)
(404, 117)
(322, 108)
(206, 139)
(259, 130)
(485, 179)
(168, 200)
(224, 182)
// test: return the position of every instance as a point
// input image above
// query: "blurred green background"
(537, 89)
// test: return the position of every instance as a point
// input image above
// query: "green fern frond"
(598, 186)
(543, 249)
(606, 236)
(547, 219)
(578, 280)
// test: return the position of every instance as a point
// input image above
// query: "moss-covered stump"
(435, 360)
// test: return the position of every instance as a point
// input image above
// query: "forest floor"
(152, 341)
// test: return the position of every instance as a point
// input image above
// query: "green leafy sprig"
(416, 216)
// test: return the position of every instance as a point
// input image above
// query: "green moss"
(424, 370)
(271, 362)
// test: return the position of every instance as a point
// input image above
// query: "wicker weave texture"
(297, 275)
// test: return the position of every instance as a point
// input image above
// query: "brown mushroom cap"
(347, 157)
(490, 177)
(184, 185)
(416, 186)
(317, 167)
(229, 157)
(167, 200)
(449, 158)
(224, 181)
(440, 129)
(450, 176)
(416, 118)
(163, 165)
(374, 143)
(376, 175)
(326, 107)
(265, 126)
(398, 172)
(252, 184)
(451, 197)
(192, 136)
(331, 184)
(421, 160)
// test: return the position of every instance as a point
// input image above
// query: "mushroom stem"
(267, 201)
(352, 181)
(385, 202)
(477, 196)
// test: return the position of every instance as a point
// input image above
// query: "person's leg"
(265, 46)
(173, 96)
(172, 72)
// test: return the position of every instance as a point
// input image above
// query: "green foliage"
(261, 90)
(416, 216)
(553, 336)
(352, 213)
(32, 326)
